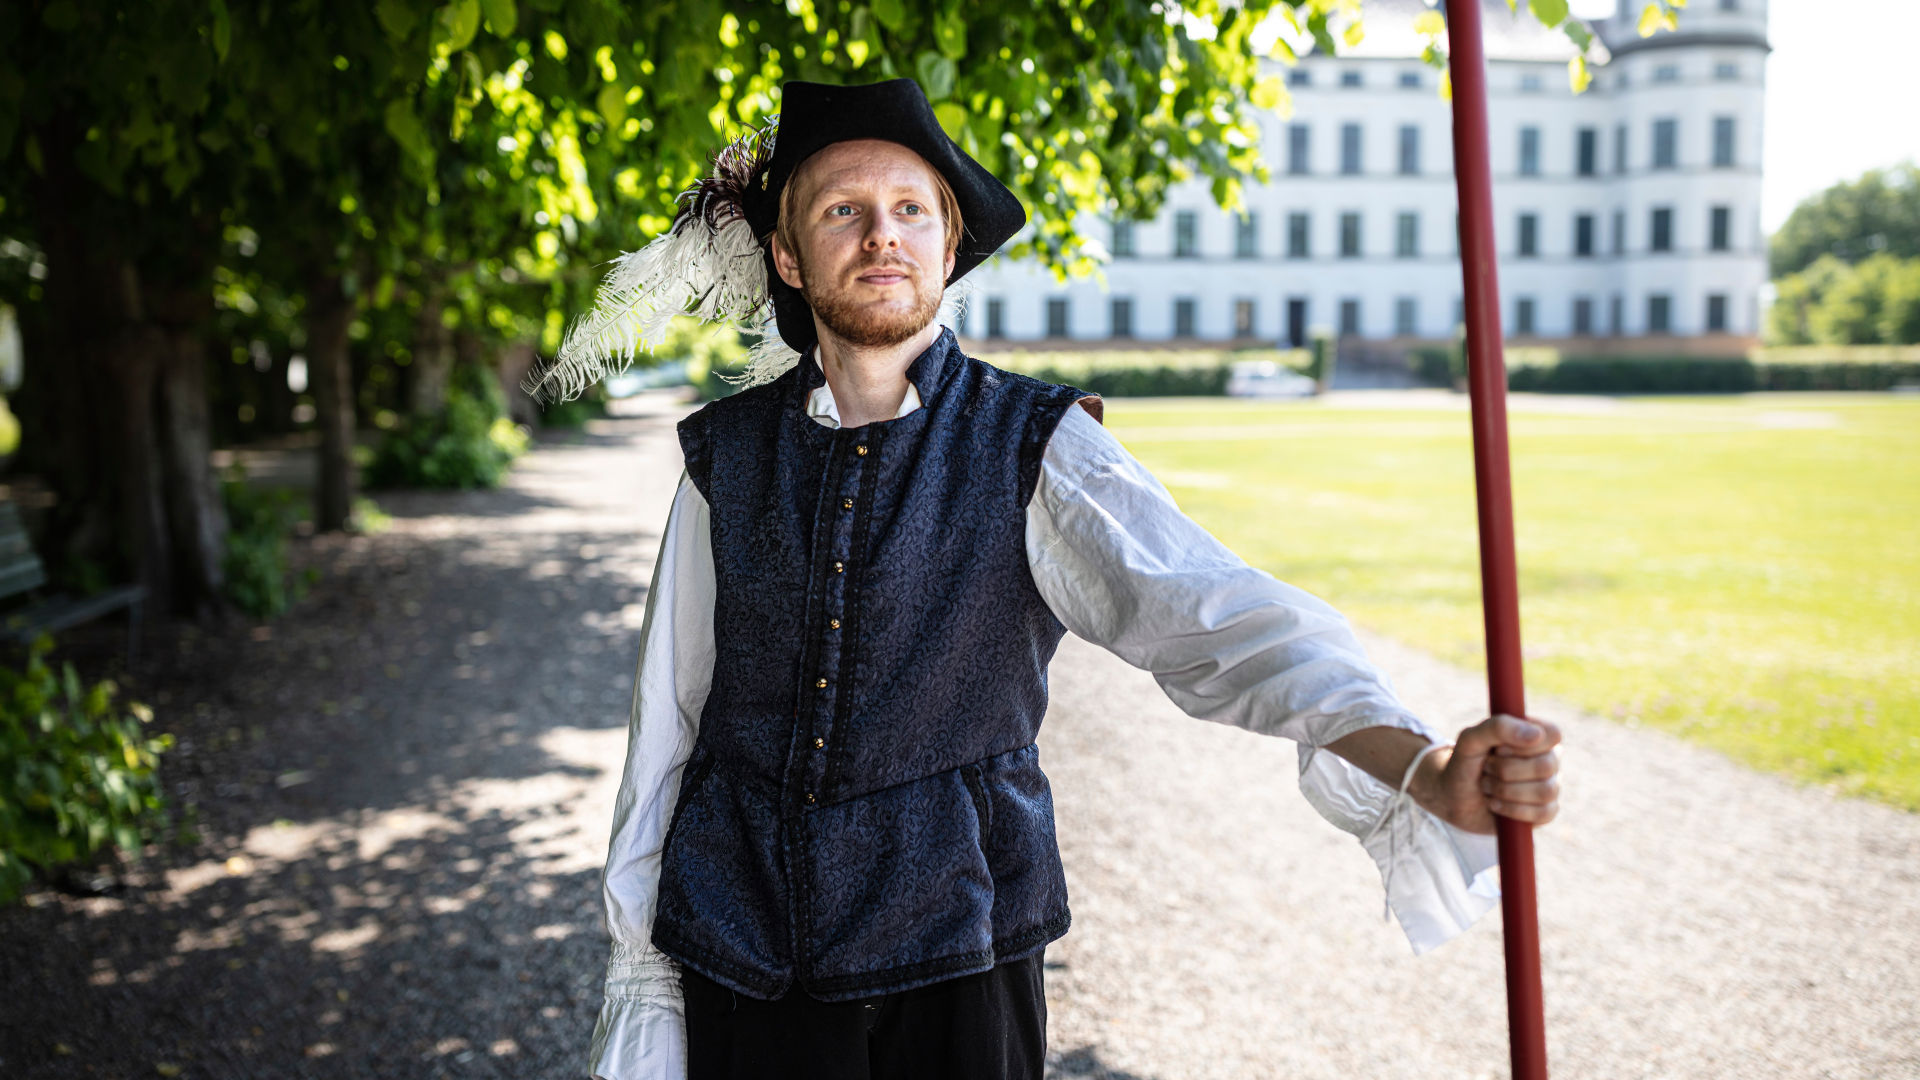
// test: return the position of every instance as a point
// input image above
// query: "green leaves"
(458, 22)
(953, 119)
(1550, 12)
(936, 74)
(950, 33)
(396, 17)
(501, 17)
(891, 13)
(222, 31)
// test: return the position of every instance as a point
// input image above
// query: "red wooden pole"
(1499, 585)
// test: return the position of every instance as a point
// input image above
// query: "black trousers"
(987, 1026)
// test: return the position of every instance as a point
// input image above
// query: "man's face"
(872, 258)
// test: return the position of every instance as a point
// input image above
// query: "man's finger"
(1526, 736)
(1530, 792)
(1520, 767)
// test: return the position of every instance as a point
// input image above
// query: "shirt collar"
(929, 370)
(821, 406)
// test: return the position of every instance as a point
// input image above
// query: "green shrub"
(1636, 375)
(258, 522)
(1836, 376)
(575, 413)
(77, 773)
(1161, 381)
(468, 445)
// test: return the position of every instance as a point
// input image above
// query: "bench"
(22, 572)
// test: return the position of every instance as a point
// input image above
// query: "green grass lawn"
(1744, 571)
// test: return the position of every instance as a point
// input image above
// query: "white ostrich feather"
(717, 275)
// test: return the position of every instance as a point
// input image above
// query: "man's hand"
(1504, 765)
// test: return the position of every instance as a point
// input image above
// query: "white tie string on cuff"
(1400, 798)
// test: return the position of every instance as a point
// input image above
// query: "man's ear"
(948, 273)
(786, 264)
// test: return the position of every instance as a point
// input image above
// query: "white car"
(1265, 378)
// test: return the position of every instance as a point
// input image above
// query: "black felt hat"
(816, 115)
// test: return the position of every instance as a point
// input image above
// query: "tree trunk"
(118, 425)
(196, 514)
(431, 368)
(330, 376)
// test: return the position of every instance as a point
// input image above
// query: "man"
(833, 851)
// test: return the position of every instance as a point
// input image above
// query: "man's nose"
(882, 233)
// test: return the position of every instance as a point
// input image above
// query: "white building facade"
(1630, 211)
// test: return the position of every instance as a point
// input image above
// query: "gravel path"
(406, 785)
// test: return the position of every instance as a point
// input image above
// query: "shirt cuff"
(1439, 878)
(641, 1033)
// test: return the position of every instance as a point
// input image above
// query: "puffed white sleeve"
(641, 1030)
(1123, 567)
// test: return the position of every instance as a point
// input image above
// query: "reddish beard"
(871, 324)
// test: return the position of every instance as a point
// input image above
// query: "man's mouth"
(889, 276)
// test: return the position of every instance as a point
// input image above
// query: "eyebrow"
(921, 194)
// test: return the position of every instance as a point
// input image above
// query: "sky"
(1840, 93)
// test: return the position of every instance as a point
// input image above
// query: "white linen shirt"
(1124, 568)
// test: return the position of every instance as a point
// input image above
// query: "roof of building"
(1509, 35)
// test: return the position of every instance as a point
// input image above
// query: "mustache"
(891, 264)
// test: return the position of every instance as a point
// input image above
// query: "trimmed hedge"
(1140, 373)
(1702, 375)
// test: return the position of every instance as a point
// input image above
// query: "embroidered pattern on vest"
(864, 811)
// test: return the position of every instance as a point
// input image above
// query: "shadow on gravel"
(1085, 1062)
(406, 748)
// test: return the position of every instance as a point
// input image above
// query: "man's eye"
(837, 209)
(912, 208)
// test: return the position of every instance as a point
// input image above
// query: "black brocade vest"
(864, 811)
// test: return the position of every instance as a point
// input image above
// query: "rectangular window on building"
(1183, 317)
(1659, 313)
(1406, 316)
(1410, 80)
(1298, 140)
(1299, 77)
(996, 317)
(1350, 149)
(1529, 235)
(1123, 239)
(1620, 149)
(1660, 230)
(1406, 235)
(1186, 234)
(1726, 72)
(1350, 317)
(1531, 84)
(1523, 315)
(1459, 313)
(1529, 151)
(1666, 73)
(1056, 316)
(1586, 157)
(1296, 321)
(1729, 5)
(1298, 246)
(1350, 235)
(1120, 314)
(1666, 142)
(1243, 318)
(1409, 150)
(1246, 235)
(1723, 142)
(1719, 234)
(1582, 316)
(1716, 313)
(1351, 78)
(1583, 236)
(1619, 232)
(1616, 314)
